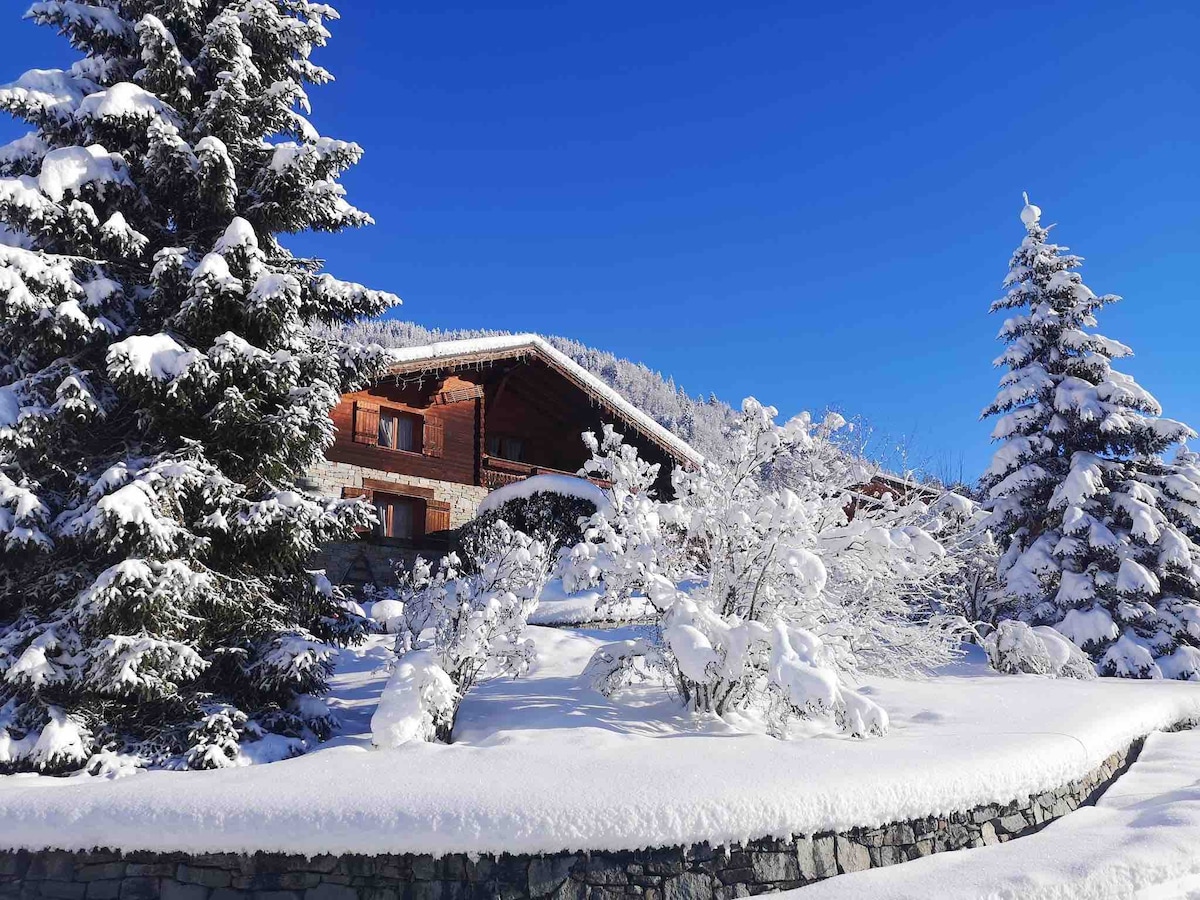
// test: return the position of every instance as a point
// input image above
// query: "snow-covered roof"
(428, 356)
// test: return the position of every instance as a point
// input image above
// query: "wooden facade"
(430, 439)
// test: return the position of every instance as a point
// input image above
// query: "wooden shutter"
(350, 492)
(437, 516)
(366, 423)
(433, 441)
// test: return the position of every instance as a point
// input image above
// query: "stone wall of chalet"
(695, 872)
(463, 498)
(345, 560)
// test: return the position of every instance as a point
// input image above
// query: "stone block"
(780, 866)
(1011, 824)
(824, 855)
(53, 864)
(63, 890)
(103, 890)
(101, 871)
(806, 865)
(423, 868)
(852, 857)
(174, 890)
(14, 863)
(151, 869)
(569, 890)
(140, 888)
(212, 878)
(923, 847)
(604, 870)
(547, 873)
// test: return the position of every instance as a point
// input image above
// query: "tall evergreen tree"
(1099, 530)
(159, 392)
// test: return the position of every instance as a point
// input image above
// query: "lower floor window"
(398, 516)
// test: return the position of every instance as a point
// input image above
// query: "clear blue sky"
(814, 206)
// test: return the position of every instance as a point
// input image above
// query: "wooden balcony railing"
(498, 472)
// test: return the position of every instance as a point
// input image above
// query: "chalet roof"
(488, 349)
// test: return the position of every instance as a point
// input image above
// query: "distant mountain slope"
(699, 422)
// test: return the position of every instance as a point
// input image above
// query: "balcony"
(498, 472)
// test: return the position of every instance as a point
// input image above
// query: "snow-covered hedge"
(550, 508)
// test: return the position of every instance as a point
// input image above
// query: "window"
(399, 431)
(398, 516)
(506, 447)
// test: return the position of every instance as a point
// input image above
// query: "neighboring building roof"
(480, 350)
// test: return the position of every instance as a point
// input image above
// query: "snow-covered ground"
(547, 764)
(587, 607)
(1140, 841)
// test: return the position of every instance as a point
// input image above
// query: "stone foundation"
(367, 562)
(696, 872)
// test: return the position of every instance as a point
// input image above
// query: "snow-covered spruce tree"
(1098, 532)
(158, 391)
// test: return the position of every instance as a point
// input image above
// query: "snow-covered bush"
(460, 625)
(549, 508)
(622, 540)
(1016, 649)
(735, 574)
(1098, 531)
(159, 392)
(417, 704)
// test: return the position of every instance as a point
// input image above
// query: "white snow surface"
(545, 763)
(535, 343)
(70, 168)
(124, 100)
(563, 485)
(556, 607)
(158, 356)
(1139, 841)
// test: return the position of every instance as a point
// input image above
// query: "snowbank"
(544, 764)
(1139, 840)
(563, 485)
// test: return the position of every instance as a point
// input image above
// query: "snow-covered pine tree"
(158, 390)
(1098, 531)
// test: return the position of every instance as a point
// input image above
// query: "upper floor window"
(506, 447)
(399, 431)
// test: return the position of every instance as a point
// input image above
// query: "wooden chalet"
(454, 420)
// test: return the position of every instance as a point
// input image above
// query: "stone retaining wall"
(696, 872)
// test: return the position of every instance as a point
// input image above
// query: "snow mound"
(563, 485)
(71, 168)
(123, 100)
(157, 356)
(418, 697)
(1030, 214)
